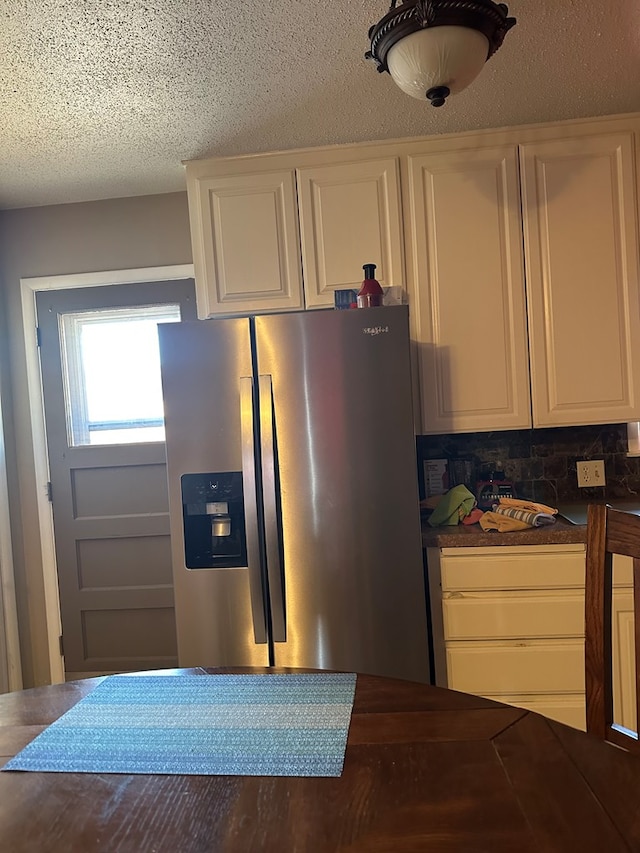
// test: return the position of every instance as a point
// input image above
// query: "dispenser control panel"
(213, 516)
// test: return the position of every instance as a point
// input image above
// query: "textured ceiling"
(105, 98)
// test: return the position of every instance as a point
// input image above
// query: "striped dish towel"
(533, 517)
(529, 506)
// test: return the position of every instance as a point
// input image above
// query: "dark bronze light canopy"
(434, 48)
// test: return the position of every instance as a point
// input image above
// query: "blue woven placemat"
(248, 725)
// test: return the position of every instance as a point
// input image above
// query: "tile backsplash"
(542, 462)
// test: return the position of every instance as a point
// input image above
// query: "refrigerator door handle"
(251, 510)
(270, 504)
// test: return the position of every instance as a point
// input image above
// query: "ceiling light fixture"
(436, 48)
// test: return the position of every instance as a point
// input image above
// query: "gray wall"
(144, 231)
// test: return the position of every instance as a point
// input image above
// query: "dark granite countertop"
(467, 536)
(472, 535)
(563, 532)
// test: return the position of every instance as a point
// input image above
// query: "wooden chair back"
(609, 531)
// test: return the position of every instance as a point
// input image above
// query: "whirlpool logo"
(375, 330)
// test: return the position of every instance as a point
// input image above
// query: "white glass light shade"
(437, 56)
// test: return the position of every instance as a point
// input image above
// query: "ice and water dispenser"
(213, 515)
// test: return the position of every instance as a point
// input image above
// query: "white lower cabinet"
(509, 625)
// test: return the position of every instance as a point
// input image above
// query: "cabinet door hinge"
(38, 337)
(61, 647)
(50, 492)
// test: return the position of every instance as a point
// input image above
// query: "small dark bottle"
(370, 294)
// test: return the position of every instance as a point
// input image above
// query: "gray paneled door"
(105, 436)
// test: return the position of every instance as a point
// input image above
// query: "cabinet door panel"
(624, 660)
(581, 250)
(245, 238)
(349, 216)
(467, 279)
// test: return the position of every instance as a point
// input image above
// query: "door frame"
(28, 289)
(8, 610)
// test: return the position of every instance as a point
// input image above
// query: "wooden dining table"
(426, 769)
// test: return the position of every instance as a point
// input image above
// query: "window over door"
(111, 374)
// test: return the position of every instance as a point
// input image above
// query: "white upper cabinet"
(520, 247)
(244, 231)
(466, 278)
(349, 216)
(263, 243)
(581, 250)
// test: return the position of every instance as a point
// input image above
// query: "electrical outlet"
(591, 473)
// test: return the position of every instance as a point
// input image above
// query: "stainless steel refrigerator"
(293, 492)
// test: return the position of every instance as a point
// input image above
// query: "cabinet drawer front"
(531, 570)
(472, 616)
(522, 668)
(567, 708)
